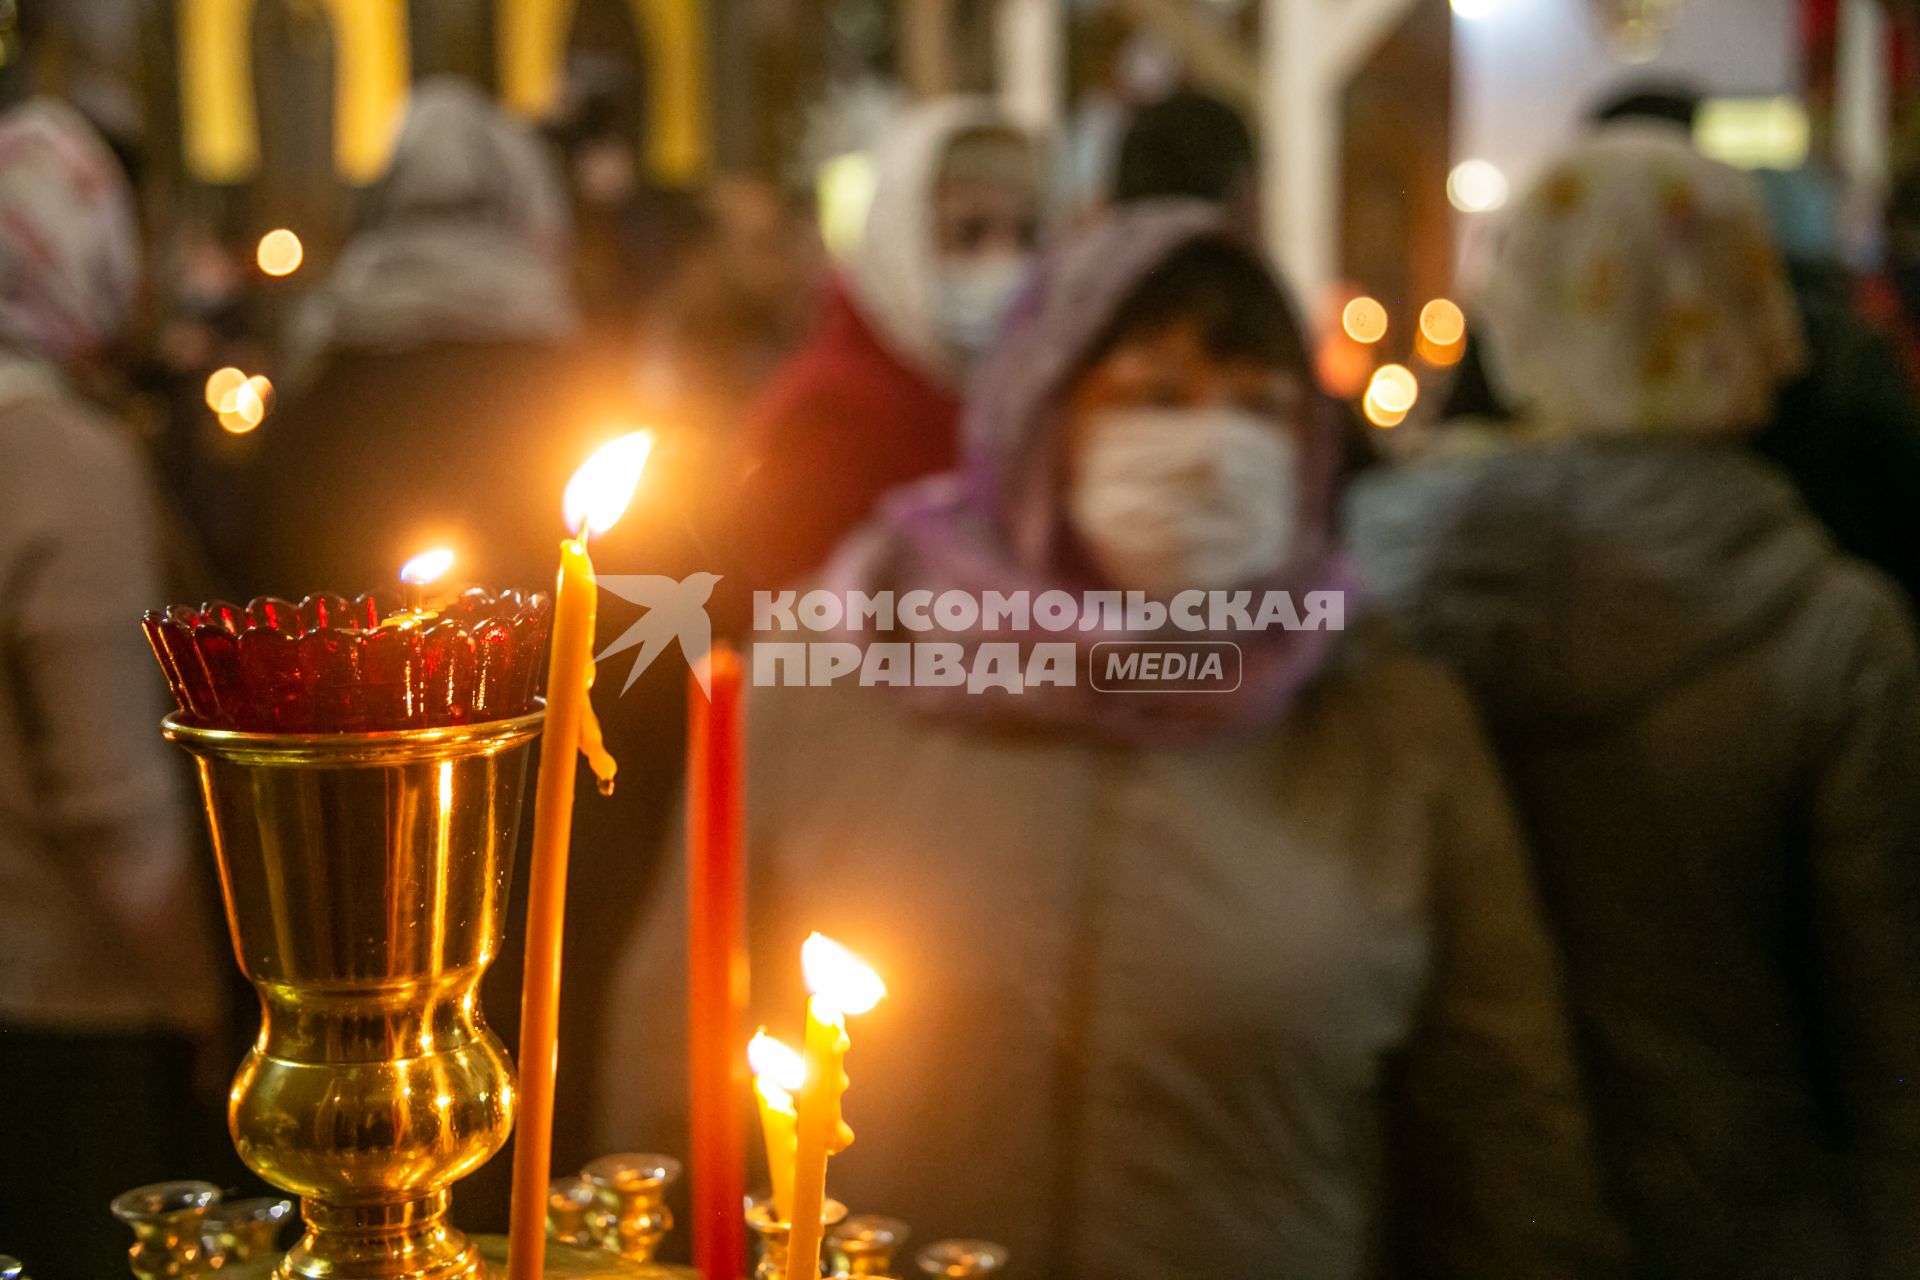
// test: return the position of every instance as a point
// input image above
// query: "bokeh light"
(248, 405)
(1380, 417)
(1342, 366)
(1476, 186)
(1442, 322)
(1436, 355)
(280, 252)
(1364, 319)
(1393, 389)
(845, 191)
(222, 386)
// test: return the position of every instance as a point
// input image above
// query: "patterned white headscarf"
(69, 251)
(893, 271)
(1637, 291)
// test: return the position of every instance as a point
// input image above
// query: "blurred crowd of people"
(1556, 918)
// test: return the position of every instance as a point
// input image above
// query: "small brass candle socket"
(237, 1231)
(773, 1234)
(864, 1245)
(166, 1218)
(629, 1214)
(569, 1201)
(962, 1259)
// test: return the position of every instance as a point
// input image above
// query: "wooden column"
(926, 46)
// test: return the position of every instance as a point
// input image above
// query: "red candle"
(716, 967)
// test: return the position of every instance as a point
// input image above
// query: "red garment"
(843, 421)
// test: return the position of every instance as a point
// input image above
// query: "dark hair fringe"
(1228, 290)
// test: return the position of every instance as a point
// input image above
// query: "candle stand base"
(563, 1260)
(576, 1262)
(366, 882)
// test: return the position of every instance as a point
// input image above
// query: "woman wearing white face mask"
(1236, 983)
(872, 401)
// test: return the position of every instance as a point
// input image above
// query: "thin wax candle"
(716, 961)
(840, 985)
(595, 499)
(778, 1073)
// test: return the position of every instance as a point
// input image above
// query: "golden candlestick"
(630, 1215)
(365, 877)
(864, 1245)
(166, 1219)
(776, 1237)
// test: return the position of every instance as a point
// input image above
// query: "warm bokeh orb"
(1364, 319)
(1393, 389)
(280, 252)
(1442, 322)
(1476, 186)
(222, 386)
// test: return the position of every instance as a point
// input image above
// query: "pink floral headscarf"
(1637, 291)
(69, 253)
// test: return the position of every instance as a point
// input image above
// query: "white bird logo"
(674, 611)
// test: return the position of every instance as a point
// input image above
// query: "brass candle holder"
(864, 1245)
(568, 1202)
(773, 1233)
(362, 769)
(629, 1215)
(187, 1229)
(365, 877)
(166, 1219)
(236, 1232)
(962, 1259)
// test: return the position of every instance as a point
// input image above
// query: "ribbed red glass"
(333, 665)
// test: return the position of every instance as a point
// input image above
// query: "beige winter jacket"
(1277, 1007)
(100, 926)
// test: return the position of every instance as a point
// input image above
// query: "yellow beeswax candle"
(778, 1073)
(840, 985)
(596, 498)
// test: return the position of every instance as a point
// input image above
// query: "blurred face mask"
(971, 297)
(1175, 499)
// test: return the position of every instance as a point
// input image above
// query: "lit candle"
(840, 985)
(778, 1073)
(716, 963)
(595, 499)
(416, 575)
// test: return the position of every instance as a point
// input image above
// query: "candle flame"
(838, 976)
(426, 567)
(603, 486)
(777, 1068)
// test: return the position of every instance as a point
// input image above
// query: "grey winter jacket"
(1711, 722)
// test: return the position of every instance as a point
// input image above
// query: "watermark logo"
(1127, 642)
(674, 611)
(1164, 666)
